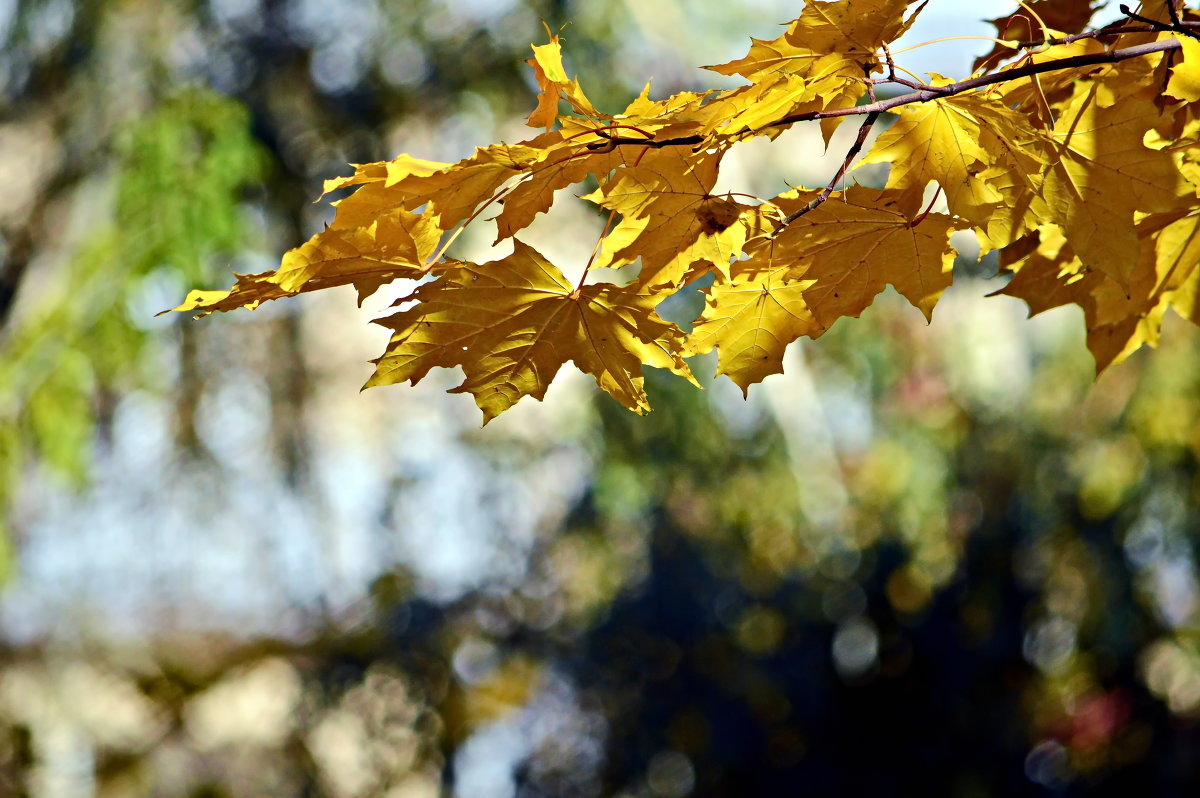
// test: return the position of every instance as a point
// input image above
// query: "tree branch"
(949, 90)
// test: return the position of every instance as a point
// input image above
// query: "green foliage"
(179, 176)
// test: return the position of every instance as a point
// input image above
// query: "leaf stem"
(929, 207)
(466, 223)
(600, 131)
(596, 249)
(992, 39)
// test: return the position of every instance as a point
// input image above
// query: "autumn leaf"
(553, 82)
(1104, 173)
(393, 246)
(454, 192)
(511, 324)
(751, 319)
(858, 243)
(1118, 319)
(821, 62)
(561, 167)
(1185, 74)
(855, 30)
(669, 218)
(829, 263)
(387, 172)
(973, 149)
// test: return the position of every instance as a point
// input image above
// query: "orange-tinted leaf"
(553, 83)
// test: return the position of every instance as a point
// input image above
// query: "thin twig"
(863, 130)
(1174, 12)
(1176, 24)
(609, 143)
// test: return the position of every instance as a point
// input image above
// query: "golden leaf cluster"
(1074, 153)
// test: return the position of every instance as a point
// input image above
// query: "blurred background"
(925, 561)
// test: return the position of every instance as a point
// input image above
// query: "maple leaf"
(829, 263)
(855, 30)
(1119, 319)
(799, 84)
(818, 64)
(454, 192)
(560, 167)
(393, 246)
(751, 319)
(671, 221)
(1104, 173)
(511, 324)
(986, 157)
(1185, 75)
(1038, 95)
(859, 242)
(387, 172)
(552, 80)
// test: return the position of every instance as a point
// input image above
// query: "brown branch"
(923, 94)
(610, 142)
(949, 90)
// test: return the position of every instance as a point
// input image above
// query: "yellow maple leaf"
(940, 140)
(832, 82)
(387, 172)
(986, 157)
(562, 166)
(829, 263)
(393, 246)
(820, 63)
(1030, 95)
(669, 218)
(511, 324)
(675, 111)
(1185, 74)
(856, 30)
(855, 245)
(454, 191)
(1118, 319)
(750, 320)
(1104, 173)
